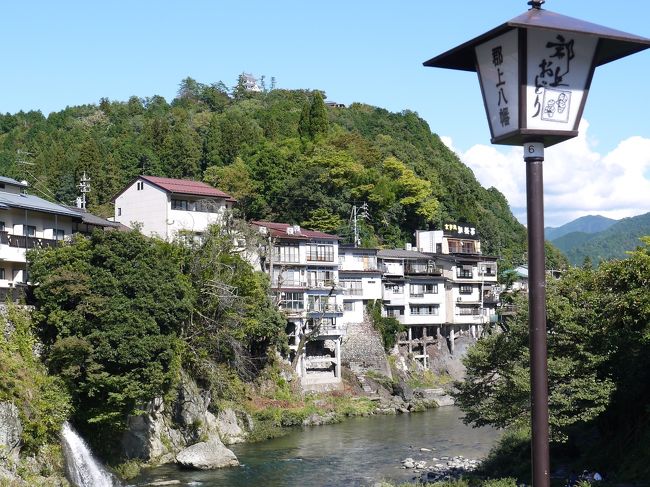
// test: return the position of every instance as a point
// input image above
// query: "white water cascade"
(81, 467)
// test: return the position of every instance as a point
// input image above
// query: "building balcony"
(352, 291)
(25, 242)
(428, 269)
(321, 284)
(328, 308)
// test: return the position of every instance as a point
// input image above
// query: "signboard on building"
(460, 230)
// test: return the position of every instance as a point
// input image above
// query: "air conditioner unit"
(289, 230)
(459, 299)
(264, 230)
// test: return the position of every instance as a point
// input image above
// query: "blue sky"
(72, 52)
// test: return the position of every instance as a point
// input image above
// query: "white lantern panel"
(558, 69)
(498, 69)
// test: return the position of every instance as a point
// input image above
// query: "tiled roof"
(280, 230)
(186, 186)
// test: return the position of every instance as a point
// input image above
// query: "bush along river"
(357, 452)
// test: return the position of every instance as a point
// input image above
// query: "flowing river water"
(356, 452)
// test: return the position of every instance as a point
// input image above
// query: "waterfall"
(81, 467)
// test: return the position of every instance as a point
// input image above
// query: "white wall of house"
(147, 207)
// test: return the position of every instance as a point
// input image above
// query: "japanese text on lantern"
(552, 92)
(502, 101)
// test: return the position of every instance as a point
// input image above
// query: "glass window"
(422, 289)
(465, 289)
(2, 226)
(348, 306)
(423, 309)
(351, 287)
(320, 253)
(180, 204)
(293, 301)
(29, 231)
(286, 253)
(2, 273)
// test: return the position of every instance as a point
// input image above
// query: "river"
(357, 452)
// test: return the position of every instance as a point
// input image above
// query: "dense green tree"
(110, 309)
(318, 122)
(598, 332)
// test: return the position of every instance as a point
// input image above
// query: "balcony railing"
(422, 268)
(321, 283)
(355, 291)
(327, 308)
(24, 242)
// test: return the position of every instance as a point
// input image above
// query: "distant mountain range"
(584, 224)
(599, 238)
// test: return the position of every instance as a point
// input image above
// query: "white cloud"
(578, 180)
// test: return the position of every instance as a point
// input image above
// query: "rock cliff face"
(11, 430)
(185, 431)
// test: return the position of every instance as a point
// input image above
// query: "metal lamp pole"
(534, 158)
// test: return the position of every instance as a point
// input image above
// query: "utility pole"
(358, 212)
(84, 188)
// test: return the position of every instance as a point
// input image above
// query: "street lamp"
(535, 72)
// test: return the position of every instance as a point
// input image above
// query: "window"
(424, 309)
(422, 289)
(488, 270)
(465, 289)
(119, 212)
(58, 234)
(351, 287)
(292, 301)
(2, 226)
(467, 311)
(320, 253)
(395, 312)
(321, 303)
(180, 204)
(29, 231)
(140, 185)
(348, 306)
(2, 273)
(320, 278)
(286, 253)
(464, 272)
(286, 278)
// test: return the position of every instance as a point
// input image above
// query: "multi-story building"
(303, 269)
(26, 222)
(170, 208)
(360, 281)
(414, 294)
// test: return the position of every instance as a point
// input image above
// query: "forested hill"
(283, 154)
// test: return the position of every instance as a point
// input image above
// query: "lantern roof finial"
(536, 4)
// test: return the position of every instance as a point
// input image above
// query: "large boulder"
(11, 430)
(207, 455)
(229, 427)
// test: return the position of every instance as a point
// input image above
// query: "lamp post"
(535, 72)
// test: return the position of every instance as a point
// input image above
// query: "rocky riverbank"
(439, 469)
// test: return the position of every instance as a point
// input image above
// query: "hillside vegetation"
(613, 243)
(585, 224)
(283, 154)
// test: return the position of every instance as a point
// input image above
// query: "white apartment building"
(27, 222)
(170, 208)
(360, 281)
(303, 266)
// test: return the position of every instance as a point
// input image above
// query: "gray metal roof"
(402, 254)
(34, 203)
(91, 219)
(7, 180)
